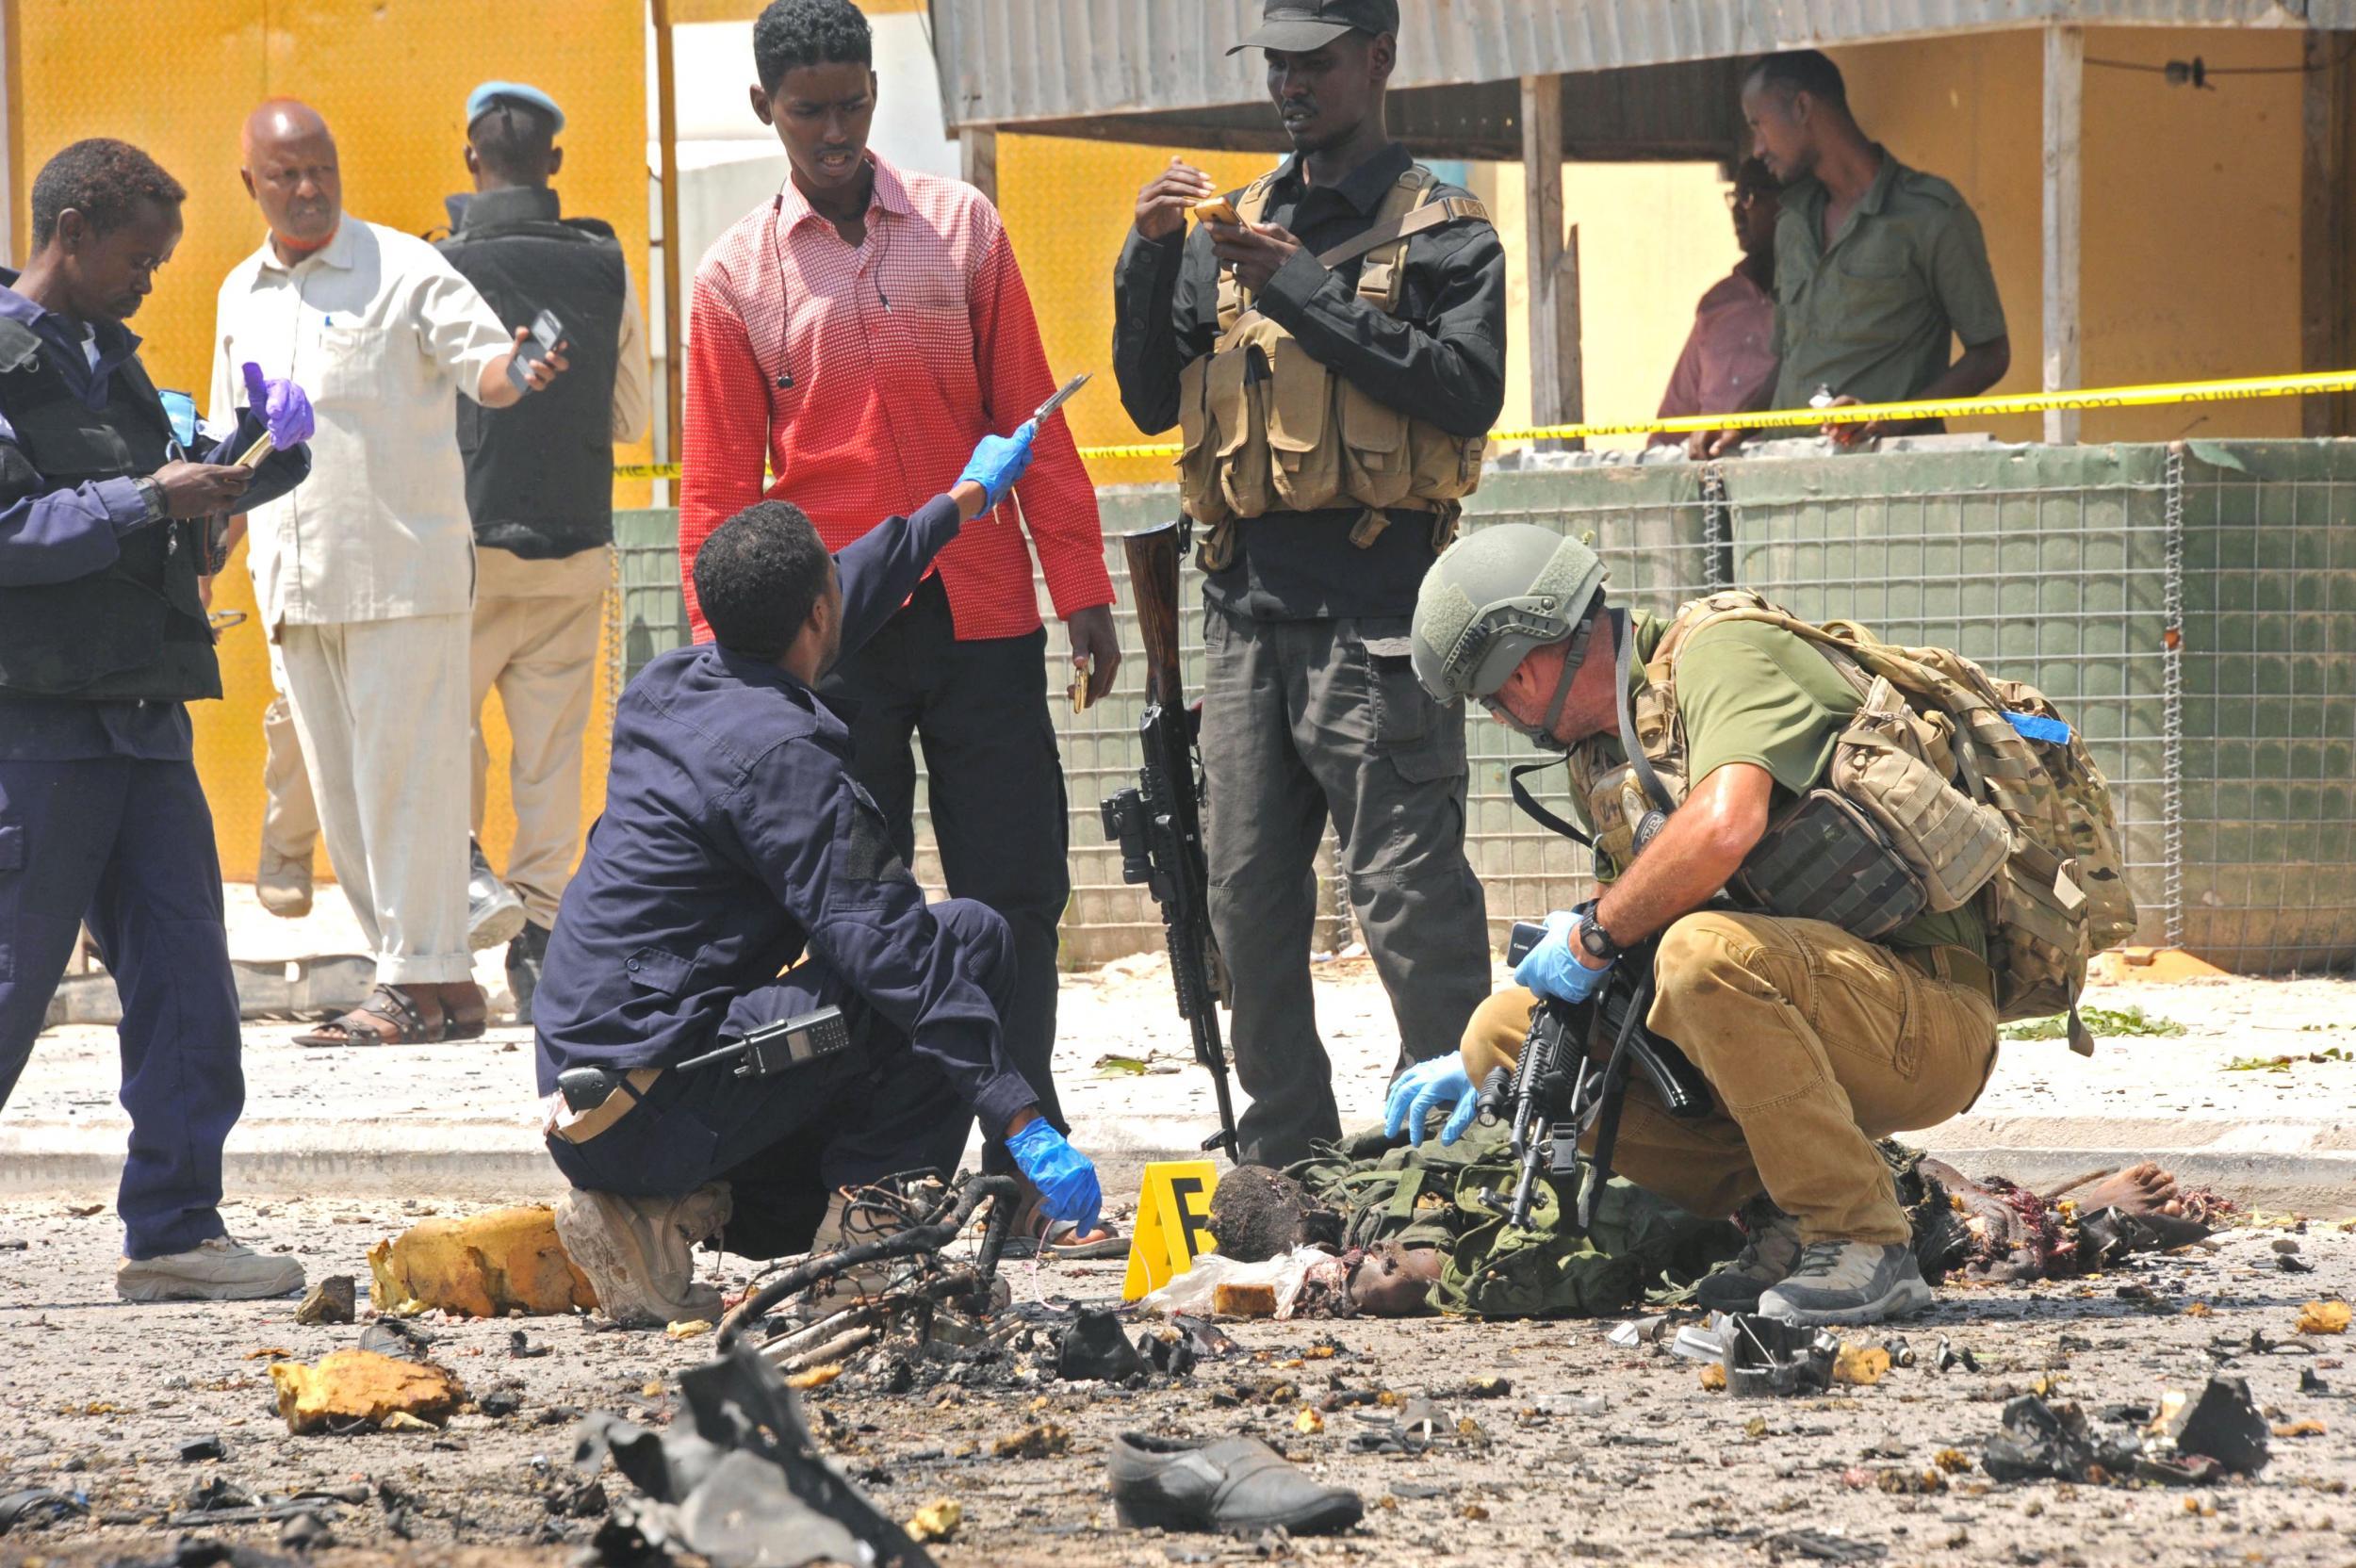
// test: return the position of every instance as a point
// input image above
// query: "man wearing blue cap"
(540, 491)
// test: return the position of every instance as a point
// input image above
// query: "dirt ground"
(1595, 1454)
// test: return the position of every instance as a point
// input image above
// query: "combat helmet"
(1494, 596)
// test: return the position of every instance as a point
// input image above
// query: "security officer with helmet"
(1815, 1040)
(1331, 341)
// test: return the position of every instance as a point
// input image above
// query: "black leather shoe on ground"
(1232, 1483)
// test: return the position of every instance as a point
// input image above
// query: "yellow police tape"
(1855, 414)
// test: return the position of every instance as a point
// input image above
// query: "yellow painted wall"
(391, 76)
(2190, 264)
(1652, 237)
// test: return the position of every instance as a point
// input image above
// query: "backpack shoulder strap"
(1412, 207)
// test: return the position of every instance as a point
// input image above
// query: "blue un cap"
(490, 95)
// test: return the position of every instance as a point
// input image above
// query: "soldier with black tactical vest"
(1331, 340)
(1831, 988)
(540, 493)
(109, 509)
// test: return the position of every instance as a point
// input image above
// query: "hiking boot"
(494, 913)
(638, 1252)
(1848, 1282)
(1767, 1259)
(525, 956)
(282, 884)
(215, 1271)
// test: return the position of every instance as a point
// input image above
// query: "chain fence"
(2192, 609)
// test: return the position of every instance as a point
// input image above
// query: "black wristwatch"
(1598, 943)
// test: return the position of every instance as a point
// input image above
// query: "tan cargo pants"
(535, 641)
(1815, 1043)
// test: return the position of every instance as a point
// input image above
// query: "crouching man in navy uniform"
(735, 844)
(106, 533)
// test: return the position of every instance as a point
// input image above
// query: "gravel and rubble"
(1471, 1443)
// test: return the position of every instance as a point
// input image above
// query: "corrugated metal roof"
(1687, 112)
(1004, 61)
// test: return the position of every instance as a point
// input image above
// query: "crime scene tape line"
(2235, 391)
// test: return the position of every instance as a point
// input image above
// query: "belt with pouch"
(589, 1123)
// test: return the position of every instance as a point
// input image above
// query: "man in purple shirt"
(1729, 365)
(106, 531)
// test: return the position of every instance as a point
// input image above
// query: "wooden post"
(2065, 96)
(978, 156)
(666, 134)
(1557, 395)
(2322, 231)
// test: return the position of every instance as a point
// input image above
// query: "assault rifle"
(1158, 823)
(1564, 1083)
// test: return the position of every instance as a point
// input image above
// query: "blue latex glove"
(1555, 968)
(1421, 1089)
(1066, 1180)
(999, 460)
(280, 406)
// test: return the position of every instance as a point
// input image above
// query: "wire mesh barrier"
(2192, 609)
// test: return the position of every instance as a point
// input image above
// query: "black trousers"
(996, 788)
(784, 1142)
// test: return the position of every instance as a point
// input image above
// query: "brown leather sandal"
(412, 1020)
(467, 1022)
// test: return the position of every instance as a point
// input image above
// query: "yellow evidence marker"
(1173, 1223)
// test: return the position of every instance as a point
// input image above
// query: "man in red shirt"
(1729, 365)
(858, 333)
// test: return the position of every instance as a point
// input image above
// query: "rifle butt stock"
(1153, 557)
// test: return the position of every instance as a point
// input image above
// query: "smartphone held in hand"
(547, 333)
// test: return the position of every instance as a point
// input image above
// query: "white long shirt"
(381, 332)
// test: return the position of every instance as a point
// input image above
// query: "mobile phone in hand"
(1219, 209)
(547, 333)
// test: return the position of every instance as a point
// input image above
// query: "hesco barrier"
(2193, 608)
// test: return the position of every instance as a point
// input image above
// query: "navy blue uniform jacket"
(734, 841)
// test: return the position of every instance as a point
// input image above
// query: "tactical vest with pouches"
(1936, 797)
(1268, 429)
(138, 630)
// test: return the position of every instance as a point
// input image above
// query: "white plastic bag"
(1190, 1292)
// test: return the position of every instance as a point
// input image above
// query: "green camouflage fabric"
(1640, 1246)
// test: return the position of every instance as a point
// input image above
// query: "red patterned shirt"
(865, 376)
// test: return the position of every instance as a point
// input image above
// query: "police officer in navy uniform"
(735, 844)
(105, 538)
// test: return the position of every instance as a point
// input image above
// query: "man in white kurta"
(366, 582)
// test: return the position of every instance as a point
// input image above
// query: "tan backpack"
(2060, 895)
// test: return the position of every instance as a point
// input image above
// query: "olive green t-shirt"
(1749, 693)
(1874, 315)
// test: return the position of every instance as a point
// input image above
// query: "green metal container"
(2233, 753)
